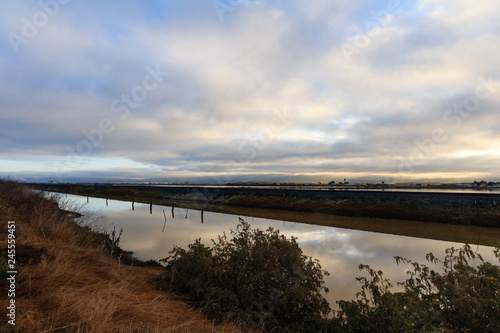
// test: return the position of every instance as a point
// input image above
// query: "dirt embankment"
(481, 209)
(68, 280)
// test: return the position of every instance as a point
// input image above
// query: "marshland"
(118, 246)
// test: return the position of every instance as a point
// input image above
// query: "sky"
(240, 90)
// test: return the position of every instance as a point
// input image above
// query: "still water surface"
(339, 250)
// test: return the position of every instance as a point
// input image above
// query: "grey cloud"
(227, 77)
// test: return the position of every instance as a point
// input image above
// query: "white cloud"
(228, 78)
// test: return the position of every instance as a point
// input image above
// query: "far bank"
(473, 209)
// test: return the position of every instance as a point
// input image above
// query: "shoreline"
(472, 209)
(480, 235)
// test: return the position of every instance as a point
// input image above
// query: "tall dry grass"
(67, 283)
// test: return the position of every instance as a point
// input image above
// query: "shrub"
(259, 278)
(464, 297)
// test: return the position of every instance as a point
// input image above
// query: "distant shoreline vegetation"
(476, 209)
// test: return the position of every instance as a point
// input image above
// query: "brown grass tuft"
(71, 285)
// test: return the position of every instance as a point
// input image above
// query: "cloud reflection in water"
(339, 250)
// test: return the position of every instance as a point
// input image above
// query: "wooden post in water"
(173, 211)
(106, 202)
(201, 215)
(151, 208)
(477, 207)
(133, 201)
(87, 198)
(165, 223)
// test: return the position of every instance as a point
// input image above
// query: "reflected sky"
(339, 250)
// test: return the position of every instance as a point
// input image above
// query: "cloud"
(267, 90)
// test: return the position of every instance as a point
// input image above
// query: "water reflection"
(151, 234)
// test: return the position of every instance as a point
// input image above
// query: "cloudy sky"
(265, 89)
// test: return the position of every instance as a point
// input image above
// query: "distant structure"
(484, 183)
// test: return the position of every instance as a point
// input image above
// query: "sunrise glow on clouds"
(266, 90)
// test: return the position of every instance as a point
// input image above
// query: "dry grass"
(71, 285)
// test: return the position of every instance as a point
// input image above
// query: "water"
(340, 250)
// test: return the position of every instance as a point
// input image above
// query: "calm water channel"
(339, 250)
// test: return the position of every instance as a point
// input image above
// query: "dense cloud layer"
(324, 89)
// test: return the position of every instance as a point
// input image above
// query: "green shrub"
(464, 297)
(262, 280)
(259, 278)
